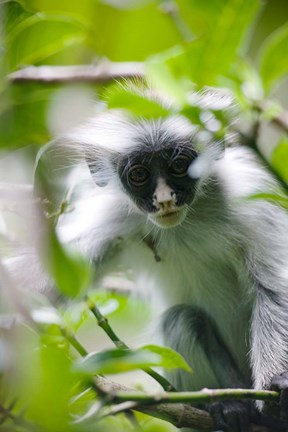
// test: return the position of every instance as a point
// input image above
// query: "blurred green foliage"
(186, 45)
(119, 360)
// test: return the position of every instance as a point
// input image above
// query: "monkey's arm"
(269, 347)
(268, 267)
(269, 336)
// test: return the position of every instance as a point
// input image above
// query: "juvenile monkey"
(170, 203)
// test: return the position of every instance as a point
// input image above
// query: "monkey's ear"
(96, 172)
(100, 167)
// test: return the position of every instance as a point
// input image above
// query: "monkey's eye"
(138, 175)
(180, 166)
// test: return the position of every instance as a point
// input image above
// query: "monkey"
(173, 204)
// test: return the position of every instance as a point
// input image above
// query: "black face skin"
(139, 173)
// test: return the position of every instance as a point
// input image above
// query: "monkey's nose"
(164, 197)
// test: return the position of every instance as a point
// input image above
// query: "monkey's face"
(159, 184)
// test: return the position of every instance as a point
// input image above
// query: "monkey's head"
(158, 181)
(157, 163)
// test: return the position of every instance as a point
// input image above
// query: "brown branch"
(179, 414)
(100, 72)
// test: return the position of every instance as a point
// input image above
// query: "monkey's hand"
(230, 416)
(280, 383)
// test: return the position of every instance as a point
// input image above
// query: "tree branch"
(171, 407)
(102, 72)
(202, 396)
(164, 406)
(180, 415)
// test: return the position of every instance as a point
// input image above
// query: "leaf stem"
(104, 324)
(74, 342)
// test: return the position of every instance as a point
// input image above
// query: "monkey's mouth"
(168, 215)
(168, 219)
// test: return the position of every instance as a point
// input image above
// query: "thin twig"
(74, 342)
(118, 409)
(171, 8)
(197, 397)
(6, 414)
(102, 72)
(104, 324)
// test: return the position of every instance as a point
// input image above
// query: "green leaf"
(220, 48)
(23, 117)
(48, 382)
(119, 423)
(274, 198)
(205, 60)
(69, 269)
(117, 28)
(245, 82)
(169, 72)
(193, 113)
(57, 32)
(118, 361)
(137, 103)
(81, 11)
(155, 425)
(14, 14)
(84, 405)
(170, 358)
(273, 57)
(280, 158)
(125, 35)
